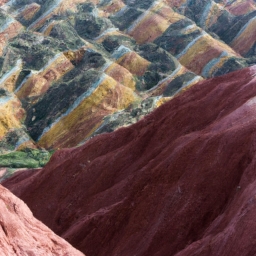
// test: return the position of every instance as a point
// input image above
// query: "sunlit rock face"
(179, 182)
(22, 234)
(75, 65)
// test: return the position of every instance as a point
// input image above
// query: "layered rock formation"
(230, 21)
(79, 68)
(241, 7)
(22, 234)
(179, 182)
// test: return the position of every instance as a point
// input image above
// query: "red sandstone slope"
(21, 234)
(181, 181)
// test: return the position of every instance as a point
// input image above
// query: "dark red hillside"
(181, 181)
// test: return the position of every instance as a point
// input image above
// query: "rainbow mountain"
(70, 70)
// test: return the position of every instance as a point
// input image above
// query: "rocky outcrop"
(179, 182)
(22, 234)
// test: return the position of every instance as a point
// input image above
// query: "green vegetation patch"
(29, 158)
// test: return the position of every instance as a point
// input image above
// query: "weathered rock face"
(22, 234)
(69, 64)
(179, 182)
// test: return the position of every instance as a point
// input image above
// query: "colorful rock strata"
(232, 21)
(74, 66)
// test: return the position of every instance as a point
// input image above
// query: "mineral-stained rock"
(67, 103)
(34, 85)
(11, 112)
(134, 63)
(179, 182)
(22, 234)
(86, 115)
(246, 37)
(29, 11)
(226, 19)
(15, 139)
(172, 31)
(3, 2)
(9, 29)
(10, 78)
(130, 115)
(242, 7)
(121, 74)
